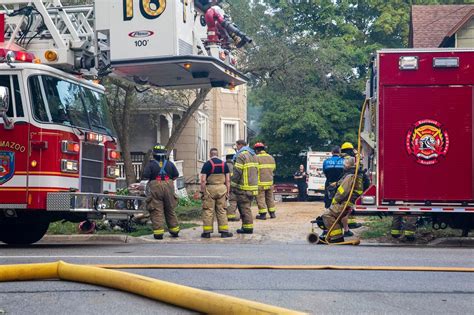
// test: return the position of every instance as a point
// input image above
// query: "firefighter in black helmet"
(162, 201)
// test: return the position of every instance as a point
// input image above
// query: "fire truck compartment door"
(426, 143)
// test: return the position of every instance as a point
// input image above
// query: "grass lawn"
(377, 228)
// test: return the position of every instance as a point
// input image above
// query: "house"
(442, 26)
(220, 121)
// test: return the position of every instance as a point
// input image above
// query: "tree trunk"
(200, 98)
(130, 175)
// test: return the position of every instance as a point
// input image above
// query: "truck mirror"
(4, 105)
(4, 99)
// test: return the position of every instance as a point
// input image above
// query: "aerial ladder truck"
(58, 152)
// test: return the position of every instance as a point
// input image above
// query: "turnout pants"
(161, 205)
(213, 202)
(405, 224)
(244, 202)
(330, 216)
(265, 200)
(232, 207)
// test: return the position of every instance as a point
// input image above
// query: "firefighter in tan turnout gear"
(403, 225)
(232, 201)
(339, 201)
(215, 187)
(162, 200)
(266, 167)
(244, 183)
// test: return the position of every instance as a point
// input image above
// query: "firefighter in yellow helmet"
(349, 222)
(266, 167)
(340, 199)
(162, 200)
(244, 183)
(347, 149)
(231, 208)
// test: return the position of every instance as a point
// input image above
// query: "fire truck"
(58, 150)
(417, 139)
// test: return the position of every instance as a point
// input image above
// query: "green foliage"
(189, 209)
(123, 192)
(309, 65)
(63, 228)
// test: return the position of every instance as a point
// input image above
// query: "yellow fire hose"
(338, 219)
(286, 267)
(179, 295)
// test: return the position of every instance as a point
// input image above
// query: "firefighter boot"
(262, 216)
(245, 231)
(272, 215)
(206, 235)
(158, 236)
(226, 234)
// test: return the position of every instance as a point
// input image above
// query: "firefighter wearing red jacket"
(162, 201)
(266, 167)
(215, 187)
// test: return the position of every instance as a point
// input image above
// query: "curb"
(453, 242)
(120, 238)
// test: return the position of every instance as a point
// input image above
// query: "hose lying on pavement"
(179, 295)
(289, 267)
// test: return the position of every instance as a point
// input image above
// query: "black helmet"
(159, 149)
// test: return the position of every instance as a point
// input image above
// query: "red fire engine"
(58, 152)
(418, 136)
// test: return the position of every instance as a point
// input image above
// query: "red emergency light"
(21, 56)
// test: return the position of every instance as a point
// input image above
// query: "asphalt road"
(317, 292)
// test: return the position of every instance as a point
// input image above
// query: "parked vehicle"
(314, 168)
(285, 191)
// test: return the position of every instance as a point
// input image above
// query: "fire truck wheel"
(22, 233)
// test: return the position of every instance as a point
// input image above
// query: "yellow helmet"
(230, 152)
(347, 145)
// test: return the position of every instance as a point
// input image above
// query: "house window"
(203, 137)
(230, 134)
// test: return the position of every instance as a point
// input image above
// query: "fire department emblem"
(427, 141)
(7, 166)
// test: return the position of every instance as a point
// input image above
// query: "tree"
(124, 98)
(309, 66)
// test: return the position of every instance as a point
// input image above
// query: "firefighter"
(232, 201)
(347, 149)
(339, 201)
(333, 168)
(245, 183)
(405, 224)
(349, 222)
(220, 29)
(162, 200)
(266, 167)
(215, 187)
